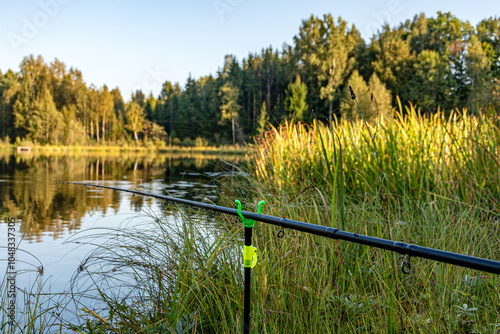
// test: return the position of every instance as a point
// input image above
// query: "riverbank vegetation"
(26, 148)
(440, 185)
(440, 177)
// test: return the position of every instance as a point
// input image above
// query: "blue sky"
(140, 44)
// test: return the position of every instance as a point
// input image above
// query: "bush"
(200, 142)
(187, 142)
(176, 141)
(5, 141)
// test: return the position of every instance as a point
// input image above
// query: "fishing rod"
(250, 256)
(402, 248)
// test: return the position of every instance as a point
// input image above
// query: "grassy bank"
(439, 188)
(146, 149)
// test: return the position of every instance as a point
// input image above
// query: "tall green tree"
(296, 96)
(118, 103)
(229, 106)
(73, 131)
(381, 103)
(479, 73)
(94, 115)
(393, 60)
(324, 48)
(45, 123)
(139, 98)
(9, 86)
(83, 108)
(209, 106)
(263, 119)
(118, 117)
(430, 86)
(449, 36)
(252, 88)
(33, 81)
(419, 35)
(106, 110)
(150, 107)
(168, 102)
(488, 32)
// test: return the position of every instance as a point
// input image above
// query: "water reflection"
(52, 217)
(29, 190)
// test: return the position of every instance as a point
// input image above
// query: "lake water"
(51, 216)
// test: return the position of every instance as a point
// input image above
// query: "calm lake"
(50, 218)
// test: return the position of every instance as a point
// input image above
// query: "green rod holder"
(248, 222)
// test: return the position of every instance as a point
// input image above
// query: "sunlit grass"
(421, 156)
(441, 178)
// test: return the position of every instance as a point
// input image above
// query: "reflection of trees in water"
(30, 191)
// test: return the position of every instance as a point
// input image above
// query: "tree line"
(436, 63)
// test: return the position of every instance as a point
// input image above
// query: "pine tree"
(150, 108)
(295, 102)
(45, 123)
(263, 119)
(381, 104)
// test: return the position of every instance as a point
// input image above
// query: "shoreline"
(71, 149)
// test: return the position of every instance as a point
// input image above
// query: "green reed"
(441, 179)
(456, 155)
(441, 187)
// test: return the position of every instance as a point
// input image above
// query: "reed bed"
(440, 177)
(454, 155)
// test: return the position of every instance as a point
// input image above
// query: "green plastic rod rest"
(248, 222)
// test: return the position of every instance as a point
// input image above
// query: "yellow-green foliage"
(441, 179)
(447, 155)
(441, 176)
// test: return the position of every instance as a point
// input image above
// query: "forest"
(431, 64)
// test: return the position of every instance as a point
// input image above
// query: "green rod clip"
(248, 222)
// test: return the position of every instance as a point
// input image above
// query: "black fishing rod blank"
(403, 248)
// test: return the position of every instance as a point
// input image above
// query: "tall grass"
(177, 275)
(441, 176)
(185, 275)
(441, 173)
(456, 155)
(441, 187)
